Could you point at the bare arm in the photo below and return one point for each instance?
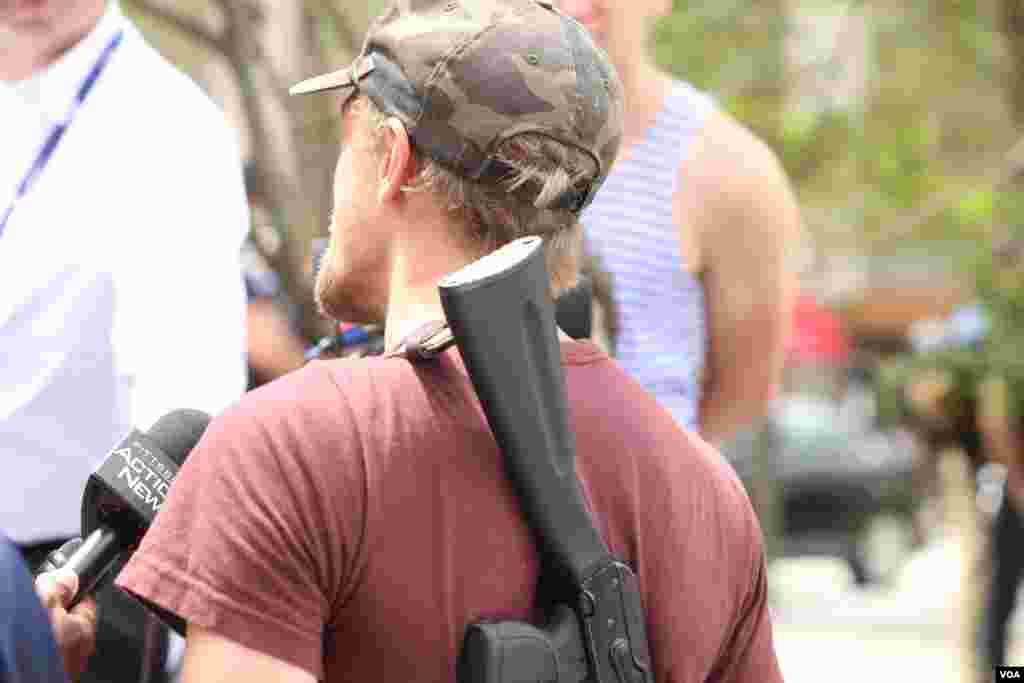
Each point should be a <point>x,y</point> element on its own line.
<point>210,658</point>
<point>741,208</point>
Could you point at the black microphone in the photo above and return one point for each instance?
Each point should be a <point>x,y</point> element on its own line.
<point>123,495</point>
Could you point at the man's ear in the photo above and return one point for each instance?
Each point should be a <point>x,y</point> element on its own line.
<point>398,163</point>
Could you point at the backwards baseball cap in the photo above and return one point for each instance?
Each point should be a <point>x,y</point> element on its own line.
<point>466,75</point>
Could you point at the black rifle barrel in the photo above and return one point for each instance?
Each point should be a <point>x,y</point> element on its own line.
<point>502,316</point>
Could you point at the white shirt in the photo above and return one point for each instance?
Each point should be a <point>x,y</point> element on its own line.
<point>121,295</point>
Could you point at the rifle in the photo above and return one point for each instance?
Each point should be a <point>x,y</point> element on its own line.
<point>501,314</point>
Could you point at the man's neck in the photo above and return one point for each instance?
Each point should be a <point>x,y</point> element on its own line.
<point>427,255</point>
<point>28,49</point>
<point>418,306</point>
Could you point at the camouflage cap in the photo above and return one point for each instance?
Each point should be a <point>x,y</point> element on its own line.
<point>465,75</point>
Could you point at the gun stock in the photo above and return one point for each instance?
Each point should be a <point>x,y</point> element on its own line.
<point>502,316</point>
<point>503,319</point>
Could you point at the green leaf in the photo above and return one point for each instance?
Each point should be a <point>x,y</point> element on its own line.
<point>977,206</point>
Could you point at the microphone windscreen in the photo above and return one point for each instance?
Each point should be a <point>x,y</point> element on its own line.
<point>177,433</point>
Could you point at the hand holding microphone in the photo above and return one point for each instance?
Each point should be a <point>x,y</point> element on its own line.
<point>74,629</point>
<point>123,495</point>
<point>121,499</point>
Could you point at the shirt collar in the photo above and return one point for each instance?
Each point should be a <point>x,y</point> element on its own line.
<point>52,90</point>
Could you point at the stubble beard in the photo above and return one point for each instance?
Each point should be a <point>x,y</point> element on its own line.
<point>344,296</point>
<point>324,292</point>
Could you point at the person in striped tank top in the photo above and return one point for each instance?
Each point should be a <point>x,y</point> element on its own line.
<point>693,223</point>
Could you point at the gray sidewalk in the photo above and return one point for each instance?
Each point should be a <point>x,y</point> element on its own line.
<point>827,629</point>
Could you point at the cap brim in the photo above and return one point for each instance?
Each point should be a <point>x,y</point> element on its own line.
<point>332,81</point>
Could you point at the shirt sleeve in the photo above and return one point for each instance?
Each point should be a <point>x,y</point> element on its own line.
<point>257,539</point>
<point>28,653</point>
<point>750,655</point>
<point>179,328</point>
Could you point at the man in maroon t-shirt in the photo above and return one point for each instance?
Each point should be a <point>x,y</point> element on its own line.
<point>348,521</point>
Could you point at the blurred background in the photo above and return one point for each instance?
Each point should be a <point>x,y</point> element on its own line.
<point>901,126</point>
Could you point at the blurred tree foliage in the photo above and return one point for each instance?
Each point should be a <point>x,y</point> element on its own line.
<point>914,158</point>
<point>997,274</point>
<point>927,160</point>
<point>922,156</point>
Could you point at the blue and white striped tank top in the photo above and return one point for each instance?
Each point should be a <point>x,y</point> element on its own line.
<point>629,226</point>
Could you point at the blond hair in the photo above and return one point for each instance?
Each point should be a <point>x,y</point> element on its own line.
<point>494,214</point>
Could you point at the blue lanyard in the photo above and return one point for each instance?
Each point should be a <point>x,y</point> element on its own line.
<point>54,138</point>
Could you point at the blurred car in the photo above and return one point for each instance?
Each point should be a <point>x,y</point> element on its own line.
<point>834,473</point>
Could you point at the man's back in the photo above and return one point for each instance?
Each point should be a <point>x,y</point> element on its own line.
<point>362,528</point>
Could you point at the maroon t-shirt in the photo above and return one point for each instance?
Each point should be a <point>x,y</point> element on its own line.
<point>353,517</point>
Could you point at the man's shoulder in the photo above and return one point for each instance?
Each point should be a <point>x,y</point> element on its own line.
<point>330,417</point>
<point>631,449</point>
<point>311,387</point>
<point>727,151</point>
<point>635,438</point>
<point>735,177</point>
<point>291,425</point>
<point>338,390</point>
<point>643,427</point>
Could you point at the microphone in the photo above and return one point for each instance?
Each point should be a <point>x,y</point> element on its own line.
<point>123,495</point>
